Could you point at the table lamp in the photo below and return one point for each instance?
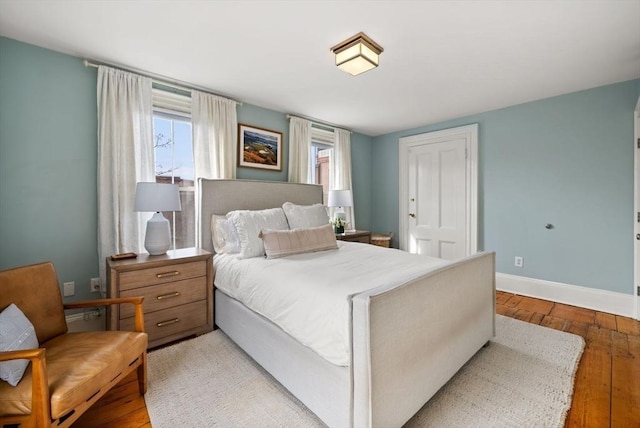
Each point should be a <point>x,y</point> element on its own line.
<point>157,197</point>
<point>340,199</point>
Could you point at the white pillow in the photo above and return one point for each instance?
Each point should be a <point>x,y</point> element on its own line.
<point>224,235</point>
<point>249,224</point>
<point>305,216</point>
<point>281,243</point>
<point>16,333</point>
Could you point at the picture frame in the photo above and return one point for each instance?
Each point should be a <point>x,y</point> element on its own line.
<point>259,148</point>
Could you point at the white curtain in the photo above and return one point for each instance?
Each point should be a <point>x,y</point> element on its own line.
<point>215,135</point>
<point>340,170</point>
<point>125,157</point>
<point>300,151</point>
<point>215,129</point>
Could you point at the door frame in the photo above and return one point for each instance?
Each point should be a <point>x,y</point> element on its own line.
<point>470,134</point>
<point>636,211</point>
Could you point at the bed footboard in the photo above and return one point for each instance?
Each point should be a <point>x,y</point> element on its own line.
<point>409,340</point>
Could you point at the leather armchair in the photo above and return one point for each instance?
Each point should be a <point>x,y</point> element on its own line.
<point>69,372</point>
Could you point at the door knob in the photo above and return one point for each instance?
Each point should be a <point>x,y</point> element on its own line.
<point>413,215</point>
<point>638,236</point>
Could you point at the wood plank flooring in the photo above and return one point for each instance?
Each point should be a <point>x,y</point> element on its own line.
<point>607,387</point>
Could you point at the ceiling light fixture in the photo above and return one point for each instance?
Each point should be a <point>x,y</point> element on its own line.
<point>357,54</point>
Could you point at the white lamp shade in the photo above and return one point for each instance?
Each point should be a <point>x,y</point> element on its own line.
<point>340,198</point>
<point>157,197</point>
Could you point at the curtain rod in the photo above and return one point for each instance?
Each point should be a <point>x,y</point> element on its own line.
<point>315,122</point>
<point>156,78</point>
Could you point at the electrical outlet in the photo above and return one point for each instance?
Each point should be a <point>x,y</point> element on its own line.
<point>95,285</point>
<point>69,289</point>
<point>519,262</point>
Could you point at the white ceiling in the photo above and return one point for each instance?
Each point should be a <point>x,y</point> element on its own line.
<point>441,60</point>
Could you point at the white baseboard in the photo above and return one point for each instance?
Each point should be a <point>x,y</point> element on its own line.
<point>93,320</point>
<point>574,295</point>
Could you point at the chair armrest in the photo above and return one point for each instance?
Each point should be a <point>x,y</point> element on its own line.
<point>23,354</point>
<point>41,406</point>
<point>137,301</point>
<point>103,302</point>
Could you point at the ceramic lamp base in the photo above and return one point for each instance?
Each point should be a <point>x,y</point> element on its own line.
<point>157,239</point>
<point>340,214</point>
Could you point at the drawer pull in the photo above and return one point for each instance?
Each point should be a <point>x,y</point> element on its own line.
<point>168,295</point>
<point>162,275</point>
<point>168,322</point>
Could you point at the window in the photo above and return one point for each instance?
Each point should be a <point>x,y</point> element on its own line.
<point>321,154</point>
<point>174,160</point>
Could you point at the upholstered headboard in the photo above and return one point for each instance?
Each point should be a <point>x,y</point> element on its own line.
<point>221,196</point>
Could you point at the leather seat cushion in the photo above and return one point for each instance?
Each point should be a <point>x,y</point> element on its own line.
<point>78,366</point>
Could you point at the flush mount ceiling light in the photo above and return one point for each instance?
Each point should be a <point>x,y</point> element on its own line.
<point>357,54</point>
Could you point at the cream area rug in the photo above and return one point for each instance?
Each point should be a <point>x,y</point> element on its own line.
<point>524,378</point>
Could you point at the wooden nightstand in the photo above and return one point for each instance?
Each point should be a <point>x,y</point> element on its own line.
<point>357,236</point>
<point>178,293</point>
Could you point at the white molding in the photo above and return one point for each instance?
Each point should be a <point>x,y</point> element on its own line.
<point>470,134</point>
<point>574,295</point>
<point>78,316</point>
<point>90,320</point>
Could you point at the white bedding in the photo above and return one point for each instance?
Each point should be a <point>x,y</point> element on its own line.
<point>308,295</point>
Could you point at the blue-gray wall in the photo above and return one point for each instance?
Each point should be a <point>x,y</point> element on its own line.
<point>566,160</point>
<point>48,161</point>
<point>48,152</point>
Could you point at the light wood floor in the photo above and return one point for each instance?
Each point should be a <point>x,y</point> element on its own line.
<point>607,388</point>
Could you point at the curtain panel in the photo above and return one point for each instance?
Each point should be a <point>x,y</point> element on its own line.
<point>215,134</point>
<point>300,150</point>
<point>125,157</point>
<point>340,171</point>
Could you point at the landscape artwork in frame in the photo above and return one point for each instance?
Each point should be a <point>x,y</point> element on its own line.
<point>259,148</point>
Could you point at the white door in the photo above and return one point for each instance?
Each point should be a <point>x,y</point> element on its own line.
<point>437,202</point>
<point>437,197</point>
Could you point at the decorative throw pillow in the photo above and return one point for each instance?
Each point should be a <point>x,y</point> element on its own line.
<point>16,333</point>
<point>280,243</point>
<point>248,225</point>
<point>229,236</point>
<point>224,235</point>
<point>303,216</point>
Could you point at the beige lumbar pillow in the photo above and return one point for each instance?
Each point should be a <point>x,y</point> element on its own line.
<point>280,243</point>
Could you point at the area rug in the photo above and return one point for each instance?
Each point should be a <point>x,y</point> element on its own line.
<point>524,378</point>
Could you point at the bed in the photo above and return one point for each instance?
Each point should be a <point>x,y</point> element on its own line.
<point>405,340</point>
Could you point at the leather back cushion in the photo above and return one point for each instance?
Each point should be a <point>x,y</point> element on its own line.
<point>35,290</point>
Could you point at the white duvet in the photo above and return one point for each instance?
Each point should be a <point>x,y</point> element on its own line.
<point>308,295</point>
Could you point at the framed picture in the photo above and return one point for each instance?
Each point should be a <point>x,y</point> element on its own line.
<point>259,148</point>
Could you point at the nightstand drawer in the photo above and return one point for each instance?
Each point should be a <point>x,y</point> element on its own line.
<point>161,275</point>
<point>363,239</point>
<point>171,321</point>
<point>158,297</point>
